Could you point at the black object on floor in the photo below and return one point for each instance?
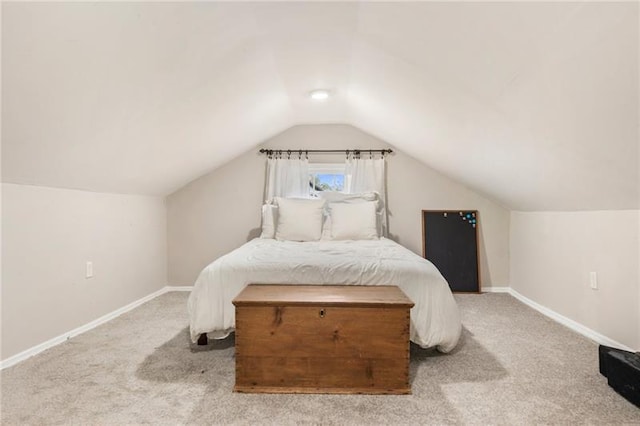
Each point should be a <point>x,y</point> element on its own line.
<point>203,340</point>
<point>622,369</point>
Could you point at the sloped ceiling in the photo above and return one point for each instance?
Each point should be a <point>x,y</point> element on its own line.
<point>534,104</point>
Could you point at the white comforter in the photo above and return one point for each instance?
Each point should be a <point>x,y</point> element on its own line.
<point>435,319</point>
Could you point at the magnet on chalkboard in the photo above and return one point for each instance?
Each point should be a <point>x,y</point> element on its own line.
<point>474,225</point>
<point>460,213</point>
<point>444,214</point>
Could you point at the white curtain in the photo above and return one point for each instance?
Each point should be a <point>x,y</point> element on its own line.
<point>287,178</point>
<point>368,175</point>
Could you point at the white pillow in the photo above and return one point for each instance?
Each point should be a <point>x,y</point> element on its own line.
<point>354,221</point>
<point>299,219</point>
<point>269,215</point>
<point>341,197</point>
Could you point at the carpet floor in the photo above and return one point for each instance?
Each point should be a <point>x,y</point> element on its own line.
<point>512,366</point>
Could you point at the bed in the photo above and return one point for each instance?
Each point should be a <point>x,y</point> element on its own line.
<point>435,318</point>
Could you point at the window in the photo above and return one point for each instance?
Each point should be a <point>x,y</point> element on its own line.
<point>326,177</point>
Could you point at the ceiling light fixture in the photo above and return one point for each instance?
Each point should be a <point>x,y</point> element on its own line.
<point>319,95</point>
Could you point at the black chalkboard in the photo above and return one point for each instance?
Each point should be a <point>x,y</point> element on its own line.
<point>450,241</point>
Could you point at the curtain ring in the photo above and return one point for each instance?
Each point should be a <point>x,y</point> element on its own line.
<point>370,155</point>
<point>288,154</point>
<point>306,154</point>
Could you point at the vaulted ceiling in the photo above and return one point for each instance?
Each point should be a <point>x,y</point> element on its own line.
<point>534,104</point>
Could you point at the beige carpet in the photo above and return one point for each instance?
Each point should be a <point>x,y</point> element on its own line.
<point>513,366</point>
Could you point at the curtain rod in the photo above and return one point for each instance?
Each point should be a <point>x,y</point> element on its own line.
<point>325,151</point>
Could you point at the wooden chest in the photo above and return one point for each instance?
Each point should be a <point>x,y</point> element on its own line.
<point>322,339</point>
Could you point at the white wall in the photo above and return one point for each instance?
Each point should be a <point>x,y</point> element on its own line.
<point>221,210</point>
<point>552,254</point>
<point>47,236</point>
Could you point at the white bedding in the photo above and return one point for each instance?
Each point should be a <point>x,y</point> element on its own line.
<point>435,319</point>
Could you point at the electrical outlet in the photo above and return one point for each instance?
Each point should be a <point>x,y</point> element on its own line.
<point>593,280</point>
<point>89,270</point>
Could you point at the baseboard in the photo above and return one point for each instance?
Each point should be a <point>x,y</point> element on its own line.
<point>178,288</point>
<point>568,322</point>
<point>19,357</point>
<point>496,289</point>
